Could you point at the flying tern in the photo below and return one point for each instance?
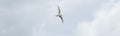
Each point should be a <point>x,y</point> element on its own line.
<point>59,15</point>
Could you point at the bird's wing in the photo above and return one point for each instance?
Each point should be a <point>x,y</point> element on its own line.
<point>59,11</point>
<point>61,19</point>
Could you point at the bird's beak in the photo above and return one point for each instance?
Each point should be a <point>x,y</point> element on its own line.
<point>56,15</point>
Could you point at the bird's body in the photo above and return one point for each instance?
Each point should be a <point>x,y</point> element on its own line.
<point>60,18</point>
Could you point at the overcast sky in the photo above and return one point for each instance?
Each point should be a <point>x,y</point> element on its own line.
<point>38,18</point>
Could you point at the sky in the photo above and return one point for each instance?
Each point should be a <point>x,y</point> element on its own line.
<point>38,18</point>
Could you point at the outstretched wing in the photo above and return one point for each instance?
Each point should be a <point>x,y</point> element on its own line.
<point>59,11</point>
<point>61,19</point>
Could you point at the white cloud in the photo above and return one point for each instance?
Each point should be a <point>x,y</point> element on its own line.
<point>105,22</point>
<point>83,29</point>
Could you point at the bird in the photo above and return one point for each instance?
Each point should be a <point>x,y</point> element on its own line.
<point>59,15</point>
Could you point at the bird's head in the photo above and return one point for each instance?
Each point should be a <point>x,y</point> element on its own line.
<point>57,15</point>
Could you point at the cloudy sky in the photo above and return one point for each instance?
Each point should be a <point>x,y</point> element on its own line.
<point>38,18</point>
